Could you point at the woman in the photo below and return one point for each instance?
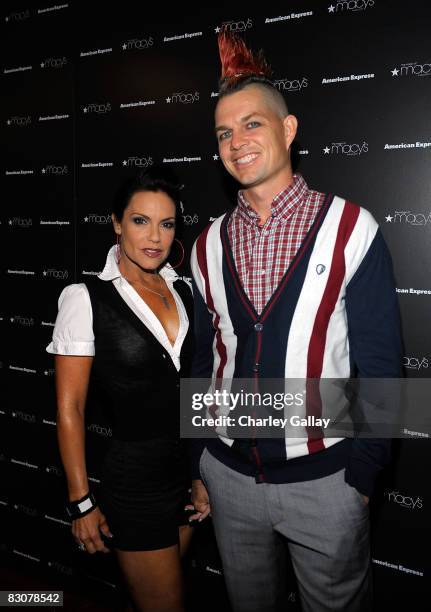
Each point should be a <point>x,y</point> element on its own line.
<point>129,328</point>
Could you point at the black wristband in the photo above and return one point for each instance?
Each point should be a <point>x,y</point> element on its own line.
<point>81,507</point>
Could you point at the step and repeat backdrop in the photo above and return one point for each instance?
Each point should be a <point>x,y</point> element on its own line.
<point>89,97</point>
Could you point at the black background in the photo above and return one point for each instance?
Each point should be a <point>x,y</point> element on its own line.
<point>357,37</point>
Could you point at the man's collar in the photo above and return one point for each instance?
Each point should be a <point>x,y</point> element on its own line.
<point>284,203</point>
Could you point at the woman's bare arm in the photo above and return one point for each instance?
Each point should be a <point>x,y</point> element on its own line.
<point>72,375</point>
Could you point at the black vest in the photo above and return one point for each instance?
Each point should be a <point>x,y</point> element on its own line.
<point>134,375</point>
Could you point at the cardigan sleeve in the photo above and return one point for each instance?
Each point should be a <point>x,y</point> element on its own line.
<point>203,358</point>
<point>376,349</point>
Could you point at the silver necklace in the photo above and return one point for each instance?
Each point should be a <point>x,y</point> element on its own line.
<point>161,295</point>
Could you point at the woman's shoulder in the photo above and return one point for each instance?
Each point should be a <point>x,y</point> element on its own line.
<point>171,276</point>
<point>185,281</point>
<point>183,287</point>
<point>75,292</point>
<point>73,332</point>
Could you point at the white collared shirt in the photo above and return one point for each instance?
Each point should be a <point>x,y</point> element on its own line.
<point>73,331</point>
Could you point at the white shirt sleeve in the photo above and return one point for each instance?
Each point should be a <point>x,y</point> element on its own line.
<point>73,330</point>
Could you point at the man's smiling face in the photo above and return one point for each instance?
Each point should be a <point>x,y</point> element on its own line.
<point>252,136</point>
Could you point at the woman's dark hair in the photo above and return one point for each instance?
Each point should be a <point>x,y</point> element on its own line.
<point>156,178</point>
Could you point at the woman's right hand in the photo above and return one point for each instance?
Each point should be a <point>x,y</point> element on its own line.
<point>86,530</point>
<point>200,501</point>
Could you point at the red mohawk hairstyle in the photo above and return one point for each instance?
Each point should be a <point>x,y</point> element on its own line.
<point>239,66</point>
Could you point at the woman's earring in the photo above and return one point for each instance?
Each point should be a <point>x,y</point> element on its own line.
<point>118,249</point>
<point>182,254</point>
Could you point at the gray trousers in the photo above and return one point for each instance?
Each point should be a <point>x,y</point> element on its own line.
<point>325,523</point>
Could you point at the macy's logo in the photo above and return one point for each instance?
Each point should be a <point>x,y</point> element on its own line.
<point>343,148</point>
<point>350,5</point>
<point>404,501</point>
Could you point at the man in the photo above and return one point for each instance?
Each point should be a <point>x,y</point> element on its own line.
<point>291,284</point>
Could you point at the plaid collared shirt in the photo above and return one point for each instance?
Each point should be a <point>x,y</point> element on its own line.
<point>263,254</point>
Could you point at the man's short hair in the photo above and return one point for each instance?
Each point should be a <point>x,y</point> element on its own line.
<point>272,94</point>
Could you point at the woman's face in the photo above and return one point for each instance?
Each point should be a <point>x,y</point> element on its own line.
<point>146,230</point>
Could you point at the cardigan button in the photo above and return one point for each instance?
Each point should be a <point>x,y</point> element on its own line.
<point>258,327</point>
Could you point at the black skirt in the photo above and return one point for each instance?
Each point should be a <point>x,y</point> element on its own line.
<point>143,492</point>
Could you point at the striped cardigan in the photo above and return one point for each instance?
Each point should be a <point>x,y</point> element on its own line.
<point>333,315</point>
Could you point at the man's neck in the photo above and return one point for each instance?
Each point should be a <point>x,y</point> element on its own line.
<point>260,197</point>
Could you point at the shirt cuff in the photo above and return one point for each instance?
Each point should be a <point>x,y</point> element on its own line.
<point>83,349</point>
